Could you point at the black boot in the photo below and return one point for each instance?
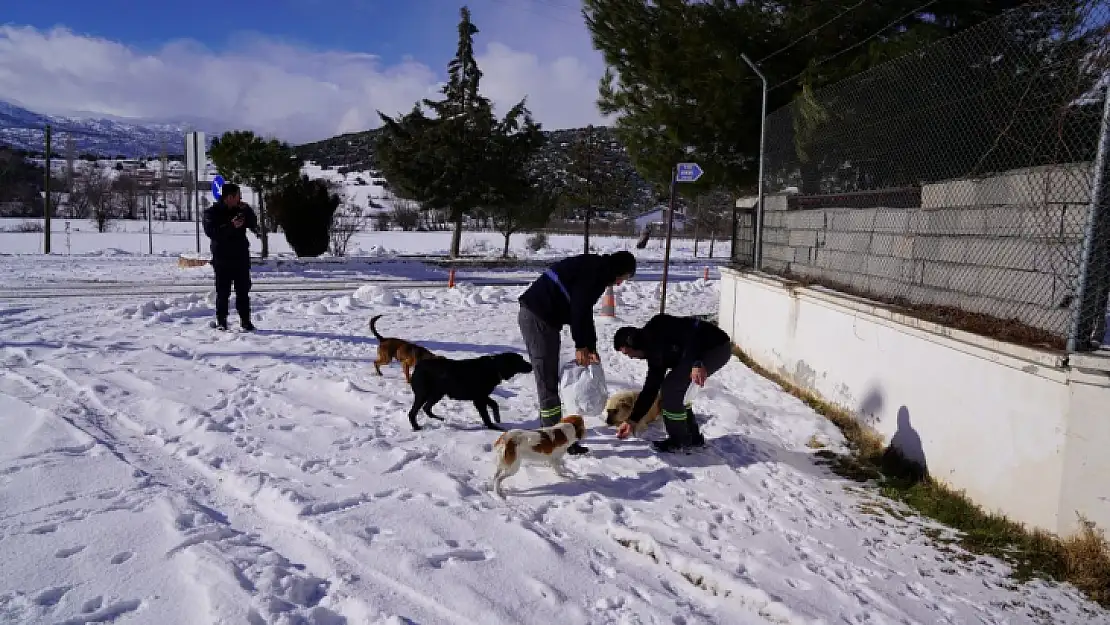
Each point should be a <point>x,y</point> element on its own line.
<point>696,439</point>
<point>221,325</point>
<point>678,433</point>
<point>246,325</point>
<point>576,449</point>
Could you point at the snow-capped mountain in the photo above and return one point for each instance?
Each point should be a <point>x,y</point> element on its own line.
<point>102,136</point>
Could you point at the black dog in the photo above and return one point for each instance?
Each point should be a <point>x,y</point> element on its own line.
<point>472,379</point>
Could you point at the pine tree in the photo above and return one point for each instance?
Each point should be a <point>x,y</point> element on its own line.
<point>305,209</point>
<point>681,91</point>
<point>595,182</point>
<point>264,166</point>
<point>455,161</point>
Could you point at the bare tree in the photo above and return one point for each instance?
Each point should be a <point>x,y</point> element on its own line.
<point>92,198</point>
<point>406,214</point>
<point>348,221</point>
<point>127,192</point>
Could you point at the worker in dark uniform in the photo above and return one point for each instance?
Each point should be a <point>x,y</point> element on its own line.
<point>565,295</point>
<point>678,351</point>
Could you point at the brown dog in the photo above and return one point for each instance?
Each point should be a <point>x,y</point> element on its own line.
<point>390,348</point>
<point>619,408</point>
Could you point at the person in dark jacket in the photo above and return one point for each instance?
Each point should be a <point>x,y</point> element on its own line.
<point>226,223</point>
<point>565,295</point>
<point>678,351</point>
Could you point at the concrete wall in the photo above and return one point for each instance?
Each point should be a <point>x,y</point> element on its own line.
<point>1021,431</point>
<point>1008,246</point>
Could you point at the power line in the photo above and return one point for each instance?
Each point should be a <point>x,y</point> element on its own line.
<point>856,45</point>
<point>812,32</point>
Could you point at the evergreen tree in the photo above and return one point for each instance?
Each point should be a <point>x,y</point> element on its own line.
<point>681,90</point>
<point>245,158</point>
<point>595,182</point>
<point>305,208</point>
<point>455,161</point>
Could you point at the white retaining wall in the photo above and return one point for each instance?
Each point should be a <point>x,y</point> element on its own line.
<point>1022,431</point>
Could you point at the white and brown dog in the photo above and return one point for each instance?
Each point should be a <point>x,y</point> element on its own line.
<point>619,408</point>
<point>543,445</point>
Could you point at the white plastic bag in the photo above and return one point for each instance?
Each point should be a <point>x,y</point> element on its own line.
<point>583,390</point>
<point>692,393</point>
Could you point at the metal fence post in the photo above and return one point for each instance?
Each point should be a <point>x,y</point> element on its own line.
<point>1094,281</point>
<point>757,236</point>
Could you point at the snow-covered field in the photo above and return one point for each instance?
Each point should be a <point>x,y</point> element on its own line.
<point>154,471</point>
<point>128,237</point>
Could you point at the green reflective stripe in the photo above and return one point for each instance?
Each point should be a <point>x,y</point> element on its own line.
<point>674,416</point>
<point>551,411</point>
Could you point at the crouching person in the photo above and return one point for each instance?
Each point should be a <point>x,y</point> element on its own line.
<point>678,351</point>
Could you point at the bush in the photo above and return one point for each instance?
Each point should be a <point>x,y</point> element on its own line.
<point>406,217</point>
<point>305,210</point>
<point>537,242</point>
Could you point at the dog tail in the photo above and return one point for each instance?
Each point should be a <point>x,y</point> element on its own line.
<point>507,446</point>
<point>374,330</point>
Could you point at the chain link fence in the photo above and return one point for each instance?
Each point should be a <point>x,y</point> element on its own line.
<point>963,182</point>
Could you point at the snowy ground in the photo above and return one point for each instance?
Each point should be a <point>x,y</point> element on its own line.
<point>153,471</point>
<point>130,238</point>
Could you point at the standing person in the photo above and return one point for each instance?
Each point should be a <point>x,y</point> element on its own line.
<point>226,223</point>
<point>691,350</point>
<point>565,295</point>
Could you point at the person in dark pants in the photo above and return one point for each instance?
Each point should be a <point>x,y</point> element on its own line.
<point>226,223</point>
<point>678,350</point>
<point>565,295</point>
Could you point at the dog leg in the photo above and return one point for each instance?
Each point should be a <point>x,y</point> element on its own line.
<point>416,404</point>
<point>560,469</point>
<point>405,368</point>
<point>428,403</point>
<point>495,410</point>
<point>480,404</point>
<point>503,472</point>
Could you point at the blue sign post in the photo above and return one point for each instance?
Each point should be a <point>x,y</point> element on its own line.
<point>682,172</point>
<point>217,187</point>
<point>688,172</point>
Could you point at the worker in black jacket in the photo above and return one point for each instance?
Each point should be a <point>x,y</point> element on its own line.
<point>565,295</point>
<point>226,223</point>
<point>678,351</point>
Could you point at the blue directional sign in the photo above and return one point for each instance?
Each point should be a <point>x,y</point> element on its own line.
<point>688,172</point>
<point>217,186</point>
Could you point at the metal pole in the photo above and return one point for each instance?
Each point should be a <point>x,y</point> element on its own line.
<point>149,230</point>
<point>193,192</point>
<point>757,252</point>
<point>1090,291</point>
<point>667,251</point>
<point>46,203</point>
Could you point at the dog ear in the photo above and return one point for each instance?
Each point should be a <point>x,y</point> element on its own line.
<point>579,425</point>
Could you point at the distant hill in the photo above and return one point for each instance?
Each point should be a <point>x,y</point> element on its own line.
<point>105,137</point>
<point>355,152</point>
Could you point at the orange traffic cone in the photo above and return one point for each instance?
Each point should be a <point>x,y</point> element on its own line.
<point>609,303</point>
<point>451,278</point>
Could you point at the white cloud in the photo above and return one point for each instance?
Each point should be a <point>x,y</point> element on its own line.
<point>276,88</point>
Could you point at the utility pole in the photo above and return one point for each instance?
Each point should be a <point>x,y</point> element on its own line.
<point>46,203</point>
<point>589,185</point>
<point>162,180</point>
